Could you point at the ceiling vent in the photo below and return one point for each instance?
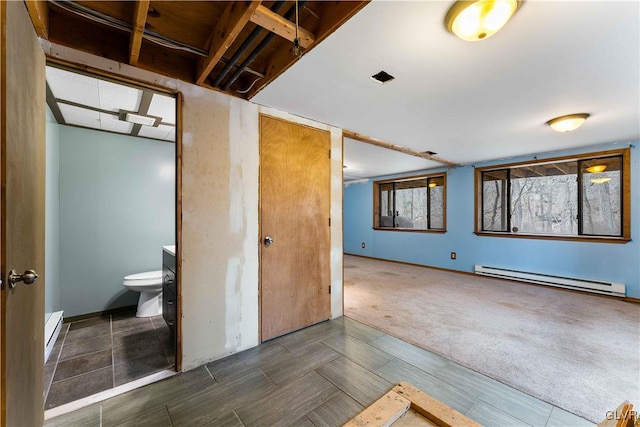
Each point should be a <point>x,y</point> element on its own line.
<point>382,77</point>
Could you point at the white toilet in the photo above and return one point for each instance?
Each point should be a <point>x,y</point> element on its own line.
<point>149,284</point>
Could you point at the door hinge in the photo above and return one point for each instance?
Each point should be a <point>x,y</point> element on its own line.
<point>329,221</point>
<point>329,288</point>
<point>329,153</point>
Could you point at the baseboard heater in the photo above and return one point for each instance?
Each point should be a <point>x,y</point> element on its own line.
<point>586,285</point>
<point>51,331</point>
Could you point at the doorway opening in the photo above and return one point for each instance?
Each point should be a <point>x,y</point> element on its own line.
<point>111,234</point>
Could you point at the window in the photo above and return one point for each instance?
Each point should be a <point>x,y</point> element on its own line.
<point>410,204</point>
<point>585,197</point>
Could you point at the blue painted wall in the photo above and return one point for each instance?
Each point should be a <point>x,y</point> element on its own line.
<point>604,261</point>
<point>117,210</point>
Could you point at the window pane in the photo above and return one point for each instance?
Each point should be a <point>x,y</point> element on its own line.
<point>602,197</point>
<point>411,204</point>
<point>544,199</point>
<point>386,206</point>
<point>436,203</point>
<point>494,215</point>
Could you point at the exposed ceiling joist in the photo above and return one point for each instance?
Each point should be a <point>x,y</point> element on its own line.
<point>401,149</point>
<point>194,41</point>
<point>278,24</point>
<point>39,13</point>
<point>236,15</point>
<point>139,21</point>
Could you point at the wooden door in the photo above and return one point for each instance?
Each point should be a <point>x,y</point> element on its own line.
<point>22,142</point>
<point>294,211</point>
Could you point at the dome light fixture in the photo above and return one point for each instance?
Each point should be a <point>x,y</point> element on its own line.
<point>479,19</point>
<point>568,123</point>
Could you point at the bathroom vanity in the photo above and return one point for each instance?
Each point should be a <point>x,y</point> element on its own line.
<point>169,286</point>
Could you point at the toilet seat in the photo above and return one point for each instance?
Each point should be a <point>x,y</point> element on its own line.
<point>148,278</point>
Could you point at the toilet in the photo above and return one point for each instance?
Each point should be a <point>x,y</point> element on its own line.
<point>149,284</point>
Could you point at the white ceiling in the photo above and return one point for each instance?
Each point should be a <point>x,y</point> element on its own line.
<point>470,102</point>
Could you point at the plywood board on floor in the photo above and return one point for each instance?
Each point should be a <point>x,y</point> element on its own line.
<point>406,405</point>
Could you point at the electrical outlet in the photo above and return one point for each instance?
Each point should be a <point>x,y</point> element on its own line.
<point>363,245</point>
<point>453,255</point>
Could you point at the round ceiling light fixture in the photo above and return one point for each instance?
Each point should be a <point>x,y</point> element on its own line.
<point>568,123</point>
<point>480,19</point>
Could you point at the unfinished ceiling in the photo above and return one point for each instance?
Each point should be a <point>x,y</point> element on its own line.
<point>236,47</point>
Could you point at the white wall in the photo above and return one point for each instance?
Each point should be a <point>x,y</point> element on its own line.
<point>219,250</point>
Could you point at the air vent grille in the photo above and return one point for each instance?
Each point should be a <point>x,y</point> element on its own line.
<point>382,77</point>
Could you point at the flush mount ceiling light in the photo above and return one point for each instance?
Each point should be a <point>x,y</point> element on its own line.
<point>568,123</point>
<point>139,119</point>
<point>480,19</point>
<point>596,168</point>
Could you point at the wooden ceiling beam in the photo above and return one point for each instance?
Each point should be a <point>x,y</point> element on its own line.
<point>235,16</point>
<point>139,22</point>
<point>39,13</point>
<point>394,147</point>
<point>278,24</point>
<point>334,14</point>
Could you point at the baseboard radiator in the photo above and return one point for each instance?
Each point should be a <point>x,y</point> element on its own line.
<point>51,331</point>
<point>586,285</point>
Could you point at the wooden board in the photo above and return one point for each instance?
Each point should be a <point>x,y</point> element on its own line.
<point>383,412</point>
<point>22,142</point>
<point>418,409</point>
<point>294,210</point>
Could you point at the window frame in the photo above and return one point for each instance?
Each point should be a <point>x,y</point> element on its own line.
<point>376,203</point>
<point>625,194</point>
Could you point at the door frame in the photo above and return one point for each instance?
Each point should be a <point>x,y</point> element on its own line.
<point>84,69</point>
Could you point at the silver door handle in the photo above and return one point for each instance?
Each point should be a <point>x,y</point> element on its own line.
<point>268,241</point>
<point>28,277</point>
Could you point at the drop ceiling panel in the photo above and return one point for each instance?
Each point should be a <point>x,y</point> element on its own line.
<point>80,116</point>
<point>114,97</point>
<point>161,132</point>
<point>163,106</point>
<point>73,87</point>
<point>113,124</point>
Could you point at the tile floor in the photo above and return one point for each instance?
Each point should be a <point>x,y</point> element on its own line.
<point>319,376</point>
<point>100,353</point>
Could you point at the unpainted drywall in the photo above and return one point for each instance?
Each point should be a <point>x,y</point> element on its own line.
<point>220,156</point>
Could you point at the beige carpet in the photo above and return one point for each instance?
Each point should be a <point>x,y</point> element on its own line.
<point>576,351</point>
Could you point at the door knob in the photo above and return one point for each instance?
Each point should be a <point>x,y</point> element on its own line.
<point>268,241</point>
<point>28,277</point>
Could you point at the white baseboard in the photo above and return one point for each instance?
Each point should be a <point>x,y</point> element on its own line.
<point>51,332</point>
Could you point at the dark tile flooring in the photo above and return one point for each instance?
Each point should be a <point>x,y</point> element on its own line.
<point>100,353</point>
<point>320,376</point>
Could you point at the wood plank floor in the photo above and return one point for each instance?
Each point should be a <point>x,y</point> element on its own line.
<point>320,376</point>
